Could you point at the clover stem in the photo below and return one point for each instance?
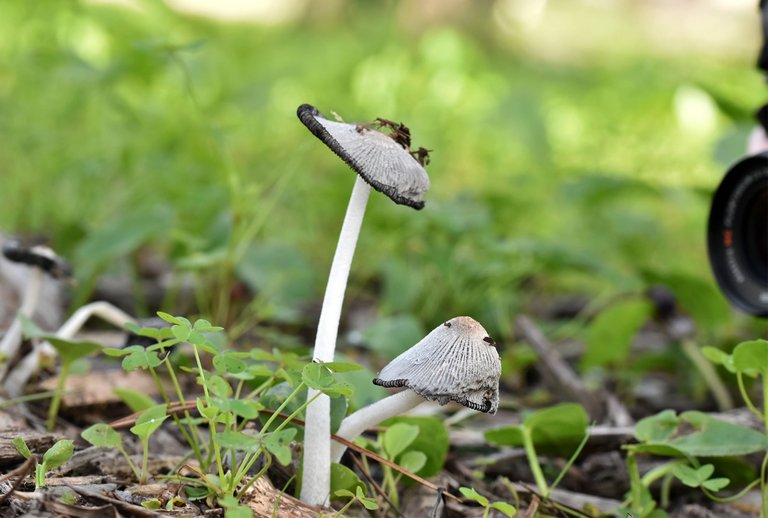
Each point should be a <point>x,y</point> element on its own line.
<point>371,415</point>
<point>747,399</point>
<point>533,462</point>
<point>316,477</point>
<point>53,410</point>
<point>191,434</point>
<point>635,484</point>
<point>133,467</point>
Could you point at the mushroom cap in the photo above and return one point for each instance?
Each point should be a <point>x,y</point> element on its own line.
<point>38,256</point>
<point>381,161</point>
<point>457,361</point>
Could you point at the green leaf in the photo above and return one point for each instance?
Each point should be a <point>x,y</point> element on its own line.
<point>203,326</point>
<point>224,362</point>
<point>149,421</point>
<point>342,366</point>
<point>238,441</point>
<point>233,508</point>
<point>657,427</point>
<point>71,350</point>
<point>398,437</point>
<point>716,484</point>
<point>432,441</point>
<point>152,504</point>
<point>218,385</point>
<point>247,409</point>
<point>278,444</point>
<point>391,336</point>
<point>21,447</point>
<point>169,318</point>
<point>114,352</point>
<point>344,493</point>
<point>339,405</point>
<point>719,357</point>
<point>700,298</point>
<point>611,333</point>
<point>181,332</point>
<point>559,428</point>
<point>343,479</point>
<point>121,236</point>
<point>135,400</point>
<point>368,503</point>
<point>751,358</point>
<point>28,327</point>
<point>317,376</point>
<point>690,476</point>
<point>470,493</point>
<point>207,411</point>
<point>412,461</point>
<point>504,508</point>
<point>58,454</point>
<point>698,435</point>
<point>102,435</point>
<point>139,358</point>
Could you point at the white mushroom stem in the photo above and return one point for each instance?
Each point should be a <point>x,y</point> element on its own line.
<point>30,364</point>
<point>355,424</point>
<point>316,477</point>
<point>12,339</point>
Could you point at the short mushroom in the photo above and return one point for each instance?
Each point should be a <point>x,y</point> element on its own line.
<point>457,361</point>
<point>385,163</point>
<point>41,260</point>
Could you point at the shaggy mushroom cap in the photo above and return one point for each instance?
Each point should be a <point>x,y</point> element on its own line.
<point>457,361</point>
<point>39,257</point>
<point>378,158</point>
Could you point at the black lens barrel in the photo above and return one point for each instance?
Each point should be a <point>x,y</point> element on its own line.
<point>737,234</point>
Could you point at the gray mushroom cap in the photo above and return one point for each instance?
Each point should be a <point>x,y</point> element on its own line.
<point>457,361</point>
<point>39,257</point>
<point>380,160</point>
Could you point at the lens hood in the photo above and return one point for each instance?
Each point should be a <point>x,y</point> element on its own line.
<point>737,234</point>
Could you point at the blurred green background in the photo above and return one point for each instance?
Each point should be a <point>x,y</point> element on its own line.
<point>576,145</point>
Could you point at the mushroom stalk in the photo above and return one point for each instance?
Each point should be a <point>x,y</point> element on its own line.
<point>316,477</point>
<point>12,339</point>
<point>358,422</point>
<point>30,364</point>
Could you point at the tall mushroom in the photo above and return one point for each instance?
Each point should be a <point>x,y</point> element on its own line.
<point>457,361</point>
<point>385,163</point>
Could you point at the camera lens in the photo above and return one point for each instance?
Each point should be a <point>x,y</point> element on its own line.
<point>738,234</point>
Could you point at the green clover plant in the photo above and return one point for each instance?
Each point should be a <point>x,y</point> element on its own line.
<point>238,390</point>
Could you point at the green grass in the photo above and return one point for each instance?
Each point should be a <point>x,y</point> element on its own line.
<point>130,128</point>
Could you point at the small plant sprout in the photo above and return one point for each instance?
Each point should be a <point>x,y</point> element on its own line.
<point>457,361</point>
<point>56,456</point>
<point>383,162</point>
<point>503,507</point>
<point>41,260</point>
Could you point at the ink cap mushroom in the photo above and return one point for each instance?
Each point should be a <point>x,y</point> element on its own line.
<point>382,162</point>
<point>457,361</point>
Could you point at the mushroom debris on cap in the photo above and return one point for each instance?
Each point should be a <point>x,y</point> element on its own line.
<point>457,361</point>
<point>382,160</point>
<point>38,256</point>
